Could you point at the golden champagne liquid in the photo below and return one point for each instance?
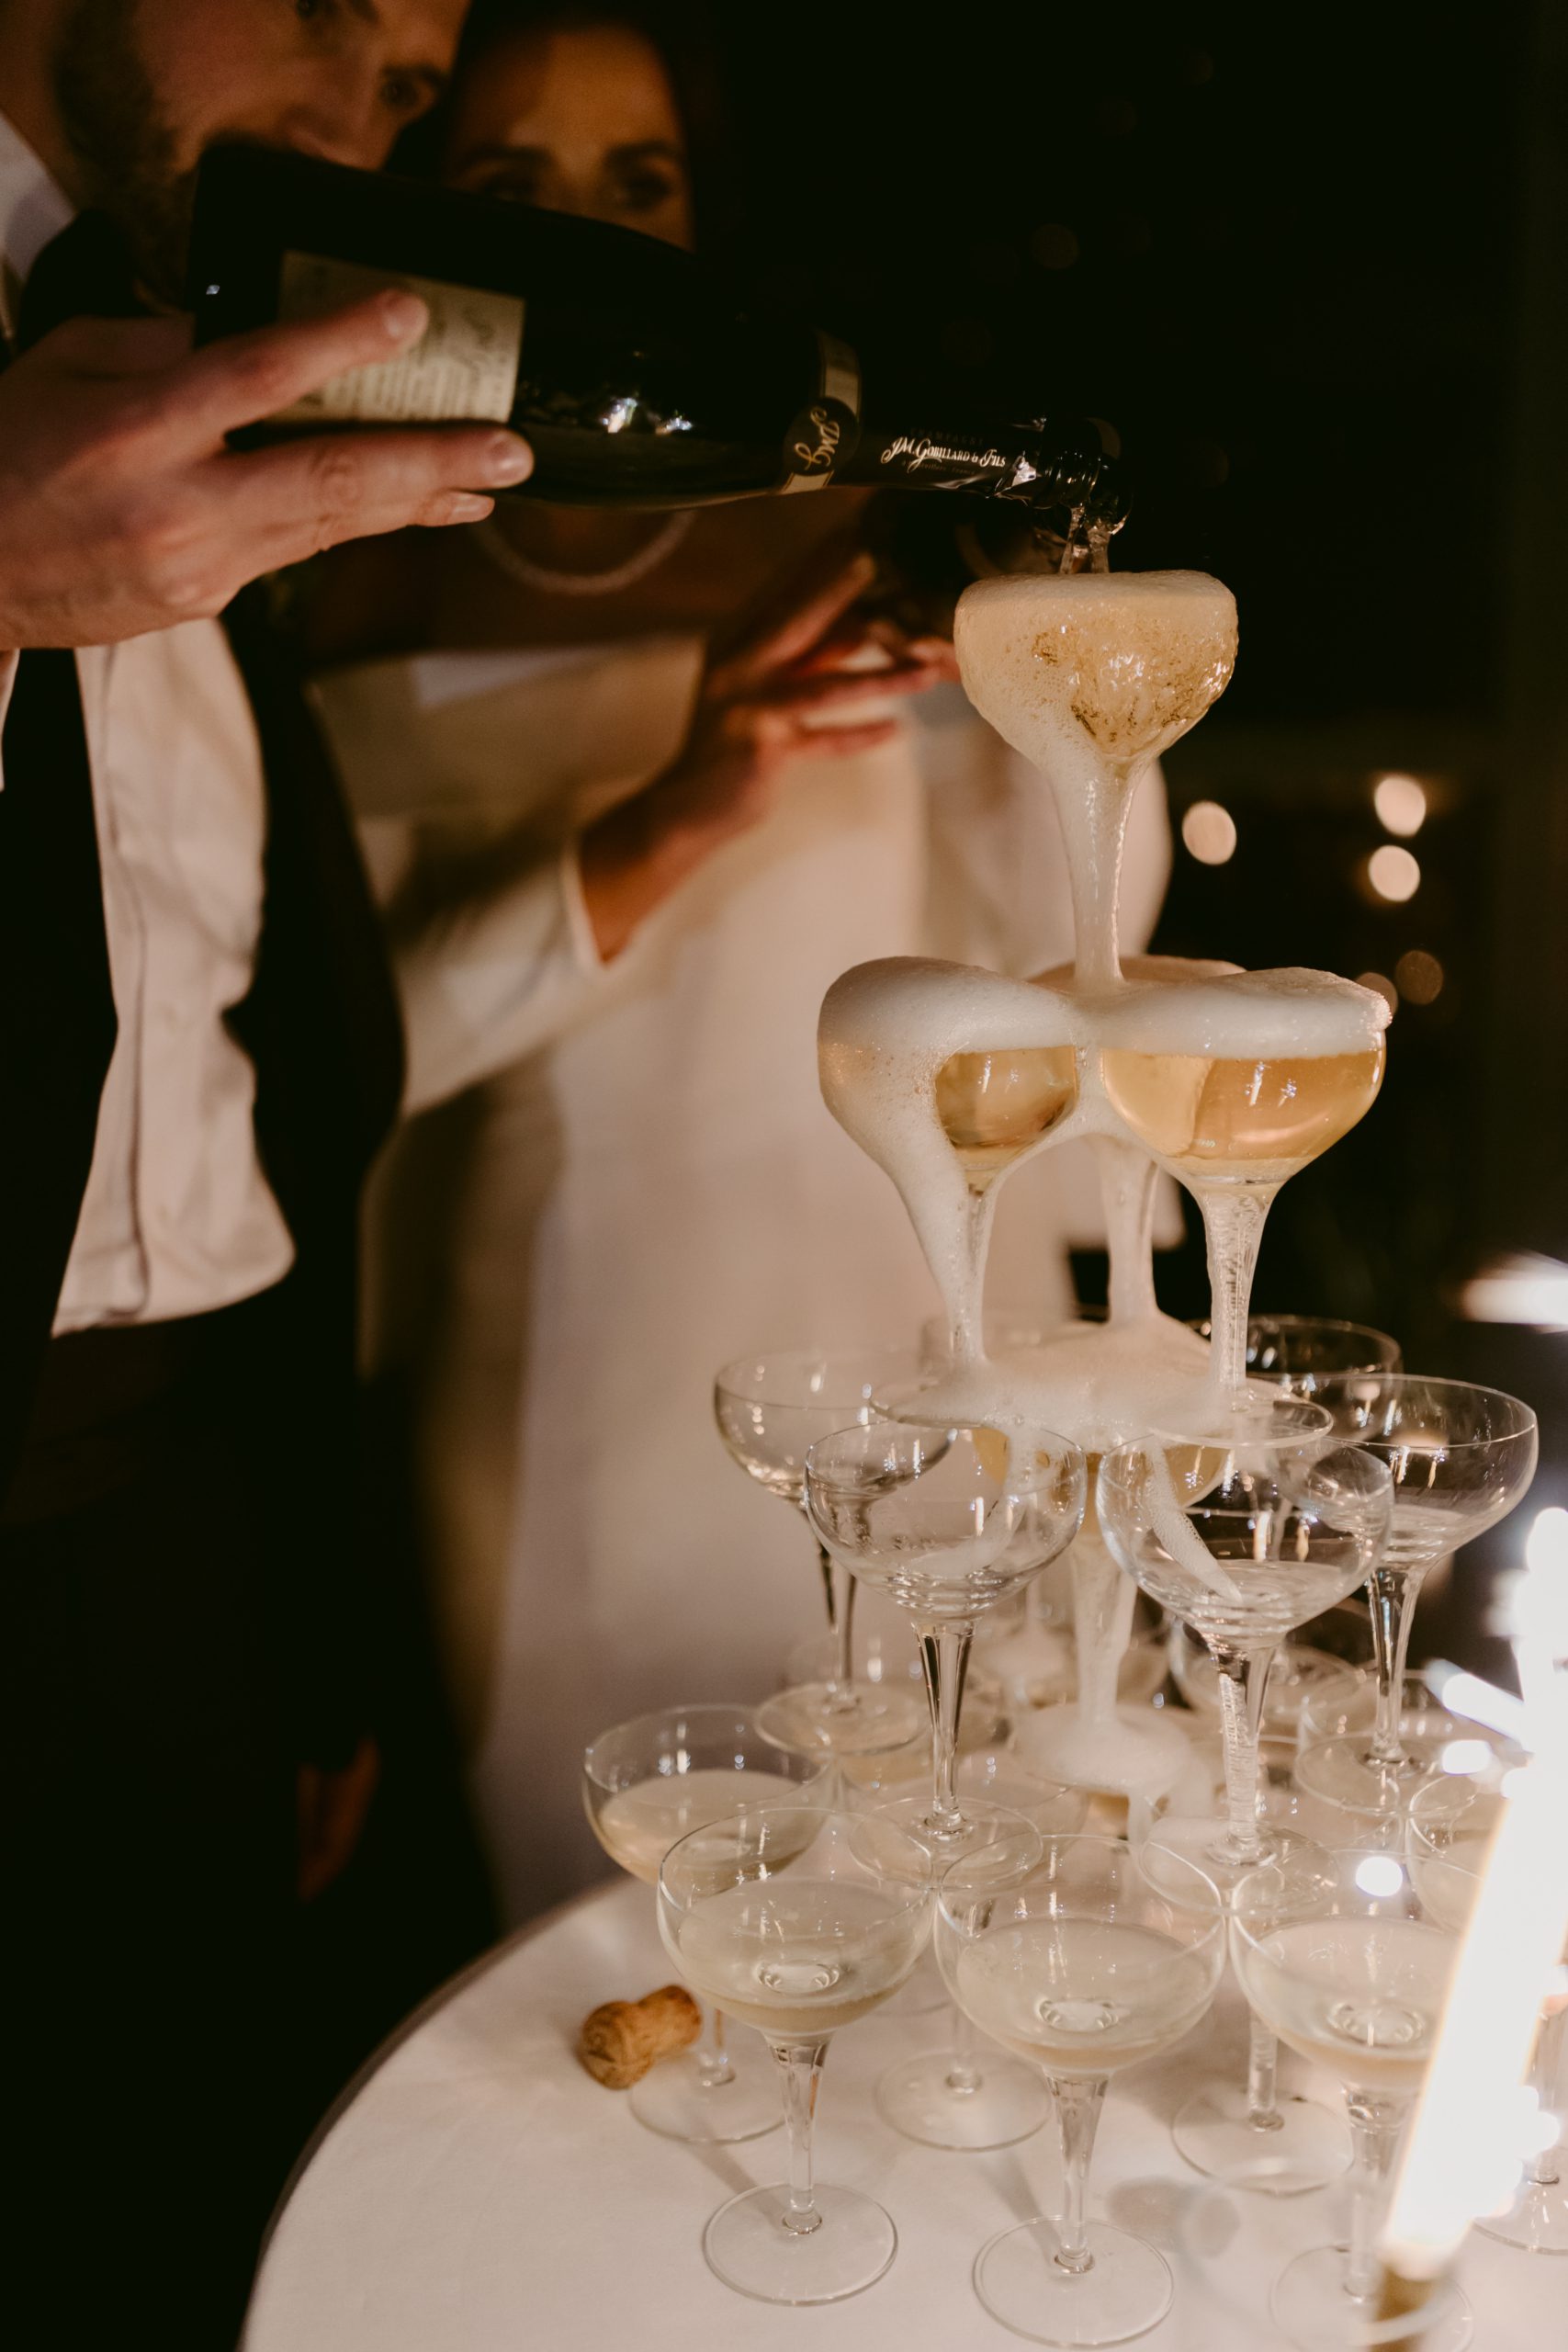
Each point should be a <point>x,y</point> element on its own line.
<point>1241,1121</point>
<point>994,1106</point>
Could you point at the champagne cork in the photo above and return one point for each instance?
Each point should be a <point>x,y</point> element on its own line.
<point>620,2041</point>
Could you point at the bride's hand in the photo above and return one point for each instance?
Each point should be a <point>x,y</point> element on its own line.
<point>807,677</point>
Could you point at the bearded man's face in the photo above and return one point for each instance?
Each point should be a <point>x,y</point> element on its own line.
<point>145,86</point>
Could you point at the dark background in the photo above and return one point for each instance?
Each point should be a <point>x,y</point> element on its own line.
<point>1312,262</point>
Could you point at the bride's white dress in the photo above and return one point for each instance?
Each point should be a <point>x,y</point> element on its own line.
<point>628,1177</point>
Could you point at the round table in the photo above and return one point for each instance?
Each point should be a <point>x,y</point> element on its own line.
<point>475,2191</point>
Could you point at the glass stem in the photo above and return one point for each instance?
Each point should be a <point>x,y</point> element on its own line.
<point>968,1306</point>
<point>1546,2169</point>
<point>963,2075</point>
<point>844,1633</point>
<point>1127,1179</point>
<point>1374,2136</point>
<point>944,1655</point>
<point>1262,2079</point>
<point>712,2056</point>
<point>829,1575</point>
<point>1243,1678</point>
<point>1233,1227</point>
<point>1095,875</point>
<point>1392,1594</point>
<point>801,2062</point>
<point>1077,2104</point>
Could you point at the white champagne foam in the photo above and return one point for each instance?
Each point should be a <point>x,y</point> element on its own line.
<point>1244,1016</point>
<point>1091,676</point>
<point>885,1030</point>
<point>1102,1385</point>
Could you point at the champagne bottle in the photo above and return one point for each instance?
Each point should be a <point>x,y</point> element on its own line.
<point>629,366</point>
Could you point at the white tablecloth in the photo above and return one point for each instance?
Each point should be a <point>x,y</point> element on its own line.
<point>479,2193</point>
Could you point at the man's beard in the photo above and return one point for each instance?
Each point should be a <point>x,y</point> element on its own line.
<point>124,145</point>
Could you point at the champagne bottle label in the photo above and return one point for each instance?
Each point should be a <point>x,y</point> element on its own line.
<point>464,365</point>
<point>824,435</point>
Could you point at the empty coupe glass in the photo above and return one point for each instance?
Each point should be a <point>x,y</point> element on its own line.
<point>771,1409</point>
<point>947,1522</point>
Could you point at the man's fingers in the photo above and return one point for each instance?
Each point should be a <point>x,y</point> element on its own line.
<point>314,492</point>
<point>244,378</point>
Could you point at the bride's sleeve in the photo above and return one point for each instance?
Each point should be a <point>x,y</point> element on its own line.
<point>471,776</point>
<point>489,974</point>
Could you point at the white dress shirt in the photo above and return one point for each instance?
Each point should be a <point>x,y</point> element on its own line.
<point>178,1218</point>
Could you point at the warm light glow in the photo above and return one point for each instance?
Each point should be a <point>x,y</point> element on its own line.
<point>1420,975</point>
<point>1465,1755</point>
<point>1381,985</point>
<point>1463,1693</point>
<point>1471,2130</point>
<point>1546,1546</point>
<point>1524,1288</point>
<point>1539,2129</point>
<point>1471,2125</point>
<point>1401,803</point>
<point>1209,832</point>
<point>1380,1874</point>
<point>1394,874</point>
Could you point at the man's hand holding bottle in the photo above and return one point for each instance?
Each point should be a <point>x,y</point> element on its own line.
<point>122,509</point>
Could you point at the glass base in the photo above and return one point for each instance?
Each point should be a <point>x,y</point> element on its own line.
<point>1308,2146</point>
<point>842,1718</point>
<point>1133,1753</point>
<point>976,1827</point>
<point>1288,1871</point>
<point>1312,2310</point>
<point>676,2100</point>
<point>1006,2100</point>
<point>1537,2222</point>
<point>1354,1797</point>
<point>750,2246</point>
<point>1125,2290</point>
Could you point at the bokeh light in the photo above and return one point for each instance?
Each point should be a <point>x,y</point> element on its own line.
<point>1381,985</point>
<point>1401,803</point>
<point>1420,975</point>
<point>1208,831</point>
<point>1394,874</point>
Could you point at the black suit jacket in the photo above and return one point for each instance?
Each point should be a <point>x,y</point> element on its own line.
<point>321,1020</point>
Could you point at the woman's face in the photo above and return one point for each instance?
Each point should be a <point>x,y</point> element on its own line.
<point>578,121</point>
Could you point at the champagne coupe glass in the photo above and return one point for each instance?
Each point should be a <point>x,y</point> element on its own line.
<point>771,1409</point>
<point>1460,1458</point>
<point>1242,1540</point>
<point>646,1784</point>
<point>964,2096</point>
<point>1357,1984</point>
<point>1233,1126</point>
<point>798,1921</point>
<point>947,1522</point>
<point>1084,1968</point>
<point>1300,1351</point>
<point>1450,1827</point>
